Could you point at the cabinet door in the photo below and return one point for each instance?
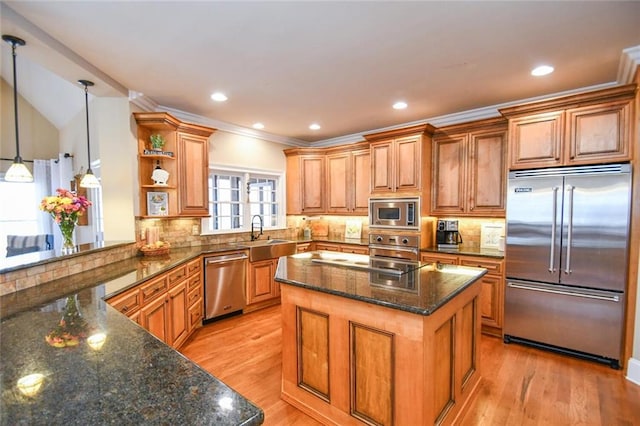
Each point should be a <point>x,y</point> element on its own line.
<point>178,314</point>
<point>448,184</point>
<point>193,167</point>
<point>361,182</point>
<point>338,183</point>
<point>487,174</point>
<point>261,281</point>
<point>313,182</point>
<point>491,296</point>
<point>535,141</point>
<point>598,134</point>
<point>408,168</point>
<point>382,158</point>
<point>154,316</point>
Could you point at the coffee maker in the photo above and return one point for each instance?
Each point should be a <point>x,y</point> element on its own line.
<point>447,235</point>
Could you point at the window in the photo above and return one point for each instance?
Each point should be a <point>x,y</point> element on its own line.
<point>236,196</point>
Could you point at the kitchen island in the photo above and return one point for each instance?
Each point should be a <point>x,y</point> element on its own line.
<point>98,366</point>
<point>361,345</point>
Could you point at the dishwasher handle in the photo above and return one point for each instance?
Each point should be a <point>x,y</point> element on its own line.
<point>224,259</point>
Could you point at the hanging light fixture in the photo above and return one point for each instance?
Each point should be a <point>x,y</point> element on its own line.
<point>18,172</point>
<point>89,180</point>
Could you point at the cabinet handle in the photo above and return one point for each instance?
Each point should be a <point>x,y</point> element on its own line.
<point>125,308</point>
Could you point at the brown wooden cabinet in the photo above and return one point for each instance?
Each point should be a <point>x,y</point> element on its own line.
<point>588,128</point>
<point>169,306</point>
<point>343,248</point>
<point>184,156</point>
<point>492,286</point>
<point>469,169</point>
<point>398,159</point>
<point>261,288</point>
<point>348,179</point>
<point>305,181</point>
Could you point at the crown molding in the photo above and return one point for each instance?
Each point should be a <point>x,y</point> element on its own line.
<point>143,102</point>
<point>232,128</point>
<point>629,61</point>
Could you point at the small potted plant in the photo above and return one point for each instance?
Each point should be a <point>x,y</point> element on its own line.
<point>157,142</point>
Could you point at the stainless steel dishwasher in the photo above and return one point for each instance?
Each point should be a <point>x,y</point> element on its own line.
<point>224,282</point>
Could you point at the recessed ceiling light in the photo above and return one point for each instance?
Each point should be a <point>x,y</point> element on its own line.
<point>219,97</point>
<point>400,105</point>
<point>542,70</point>
<point>258,126</point>
<point>314,126</point>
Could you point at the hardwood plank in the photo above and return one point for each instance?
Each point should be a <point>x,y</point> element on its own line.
<point>520,385</point>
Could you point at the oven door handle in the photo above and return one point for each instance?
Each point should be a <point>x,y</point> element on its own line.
<point>411,250</point>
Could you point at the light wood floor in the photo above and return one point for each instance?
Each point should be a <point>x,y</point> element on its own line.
<point>520,386</point>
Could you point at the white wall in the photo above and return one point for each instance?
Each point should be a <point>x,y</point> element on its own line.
<point>243,151</point>
<point>118,166</point>
<point>38,137</point>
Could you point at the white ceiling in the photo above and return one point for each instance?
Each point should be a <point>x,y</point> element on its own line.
<point>341,64</point>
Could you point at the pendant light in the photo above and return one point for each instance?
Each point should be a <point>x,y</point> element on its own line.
<point>89,180</point>
<point>18,172</point>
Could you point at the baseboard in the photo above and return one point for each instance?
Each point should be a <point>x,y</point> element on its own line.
<point>633,371</point>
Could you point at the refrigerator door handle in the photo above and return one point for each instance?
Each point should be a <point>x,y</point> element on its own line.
<point>552,251</point>
<point>615,299</point>
<point>567,268</point>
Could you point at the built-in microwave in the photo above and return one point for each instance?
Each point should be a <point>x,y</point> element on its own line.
<point>396,213</point>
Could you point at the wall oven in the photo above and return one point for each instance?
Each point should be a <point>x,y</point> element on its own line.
<point>394,213</point>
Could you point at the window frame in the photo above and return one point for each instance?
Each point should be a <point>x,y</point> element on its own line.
<point>247,173</point>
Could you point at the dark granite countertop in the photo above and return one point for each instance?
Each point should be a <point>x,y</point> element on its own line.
<point>420,292</point>
<point>133,378</point>
<point>467,251</point>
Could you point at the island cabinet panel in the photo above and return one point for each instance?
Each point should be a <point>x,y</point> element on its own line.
<point>372,373</point>
<point>313,352</point>
<point>386,366</point>
<point>444,398</point>
<point>587,128</point>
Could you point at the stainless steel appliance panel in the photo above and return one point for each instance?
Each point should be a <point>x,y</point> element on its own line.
<point>581,319</point>
<point>224,284</point>
<point>595,231</point>
<point>534,228</point>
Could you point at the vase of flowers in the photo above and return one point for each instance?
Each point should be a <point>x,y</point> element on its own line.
<point>65,207</point>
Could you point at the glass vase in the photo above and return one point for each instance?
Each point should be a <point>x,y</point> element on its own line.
<point>66,229</point>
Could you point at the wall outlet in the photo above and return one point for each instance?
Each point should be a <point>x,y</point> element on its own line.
<point>195,230</point>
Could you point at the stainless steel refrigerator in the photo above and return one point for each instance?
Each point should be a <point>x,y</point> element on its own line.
<point>566,259</point>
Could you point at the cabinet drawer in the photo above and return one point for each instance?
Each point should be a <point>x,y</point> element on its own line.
<point>195,314</point>
<point>176,275</point>
<point>153,289</point>
<point>355,249</point>
<point>328,247</point>
<point>194,295</point>
<point>194,266</point>
<point>194,282</point>
<point>493,267</point>
<point>127,303</point>
<point>439,258</point>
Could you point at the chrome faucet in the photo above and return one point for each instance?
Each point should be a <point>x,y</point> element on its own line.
<point>255,237</point>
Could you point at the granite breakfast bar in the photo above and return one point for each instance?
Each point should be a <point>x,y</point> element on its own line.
<point>117,373</point>
<point>361,345</point>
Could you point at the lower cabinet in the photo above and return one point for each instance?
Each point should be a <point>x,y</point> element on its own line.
<point>262,289</point>
<point>492,293</point>
<point>169,306</point>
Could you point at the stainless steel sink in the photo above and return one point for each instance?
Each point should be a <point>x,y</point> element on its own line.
<point>268,249</point>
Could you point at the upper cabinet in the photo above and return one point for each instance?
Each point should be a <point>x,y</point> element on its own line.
<point>397,160</point>
<point>348,179</point>
<point>184,156</point>
<point>306,183</point>
<point>589,128</point>
<point>469,169</point>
